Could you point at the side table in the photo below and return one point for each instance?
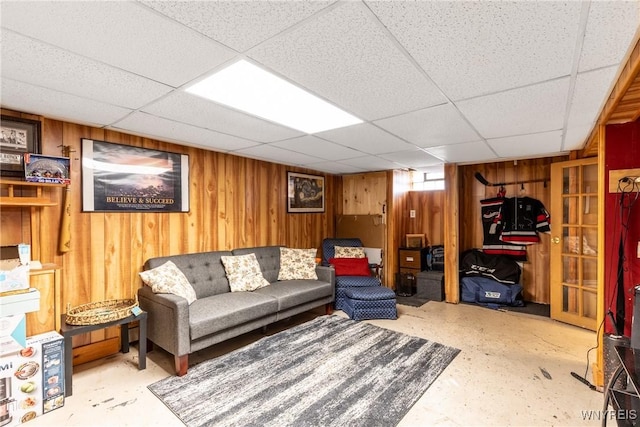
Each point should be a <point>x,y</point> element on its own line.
<point>624,400</point>
<point>69,331</point>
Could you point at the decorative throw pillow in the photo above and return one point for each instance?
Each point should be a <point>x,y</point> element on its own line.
<point>297,264</point>
<point>351,266</point>
<point>169,279</point>
<point>349,252</point>
<point>243,272</point>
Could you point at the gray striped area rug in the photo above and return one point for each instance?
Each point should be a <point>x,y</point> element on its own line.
<point>330,371</point>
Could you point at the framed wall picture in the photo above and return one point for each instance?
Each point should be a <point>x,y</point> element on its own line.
<point>415,241</point>
<point>305,193</point>
<point>17,137</point>
<point>124,178</point>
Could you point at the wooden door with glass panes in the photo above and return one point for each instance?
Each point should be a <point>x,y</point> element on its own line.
<point>574,242</point>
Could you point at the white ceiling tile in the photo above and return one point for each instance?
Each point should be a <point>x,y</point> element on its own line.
<point>412,159</point>
<point>39,64</point>
<point>57,105</point>
<point>465,152</point>
<point>523,146</point>
<point>366,138</point>
<point>157,127</point>
<point>275,154</point>
<point>238,24</point>
<point>371,163</point>
<point>611,27</point>
<point>430,127</point>
<point>199,112</point>
<point>346,57</point>
<point>83,27</point>
<point>472,48</point>
<point>575,138</point>
<point>535,108</point>
<point>590,93</point>
<point>337,168</point>
<point>317,147</point>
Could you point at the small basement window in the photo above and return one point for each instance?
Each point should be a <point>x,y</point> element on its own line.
<point>428,180</point>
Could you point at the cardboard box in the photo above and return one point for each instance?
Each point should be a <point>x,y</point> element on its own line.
<point>19,303</point>
<point>13,275</point>
<point>13,333</point>
<point>34,378</point>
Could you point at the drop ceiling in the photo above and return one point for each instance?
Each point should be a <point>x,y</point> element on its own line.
<point>434,81</point>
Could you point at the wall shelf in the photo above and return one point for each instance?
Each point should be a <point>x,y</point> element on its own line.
<point>11,199</point>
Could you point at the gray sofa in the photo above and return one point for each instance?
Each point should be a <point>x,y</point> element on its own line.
<point>219,314</point>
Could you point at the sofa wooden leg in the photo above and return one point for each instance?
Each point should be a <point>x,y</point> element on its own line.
<point>182,364</point>
<point>329,308</point>
<point>149,345</point>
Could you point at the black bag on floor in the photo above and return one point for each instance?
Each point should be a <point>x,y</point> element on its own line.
<point>497,267</point>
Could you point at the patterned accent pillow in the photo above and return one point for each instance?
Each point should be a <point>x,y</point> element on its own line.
<point>243,272</point>
<point>349,252</point>
<point>169,279</point>
<point>297,264</point>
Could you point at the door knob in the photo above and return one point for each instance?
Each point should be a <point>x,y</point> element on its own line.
<point>556,240</point>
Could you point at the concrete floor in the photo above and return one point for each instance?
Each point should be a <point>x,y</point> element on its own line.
<point>514,369</point>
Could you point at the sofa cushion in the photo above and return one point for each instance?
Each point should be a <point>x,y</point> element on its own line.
<point>349,252</point>
<point>297,264</point>
<point>290,293</point>
<point>351,266</point>
<point>268,257</point>
<point>203,270</point>
<point>217,313</point>
<point>168,279</point>
<point>243,272</point>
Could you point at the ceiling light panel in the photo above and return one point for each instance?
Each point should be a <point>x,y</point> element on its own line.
<point>249,88</point>
<point>200,112</point>
<point>349,58</point>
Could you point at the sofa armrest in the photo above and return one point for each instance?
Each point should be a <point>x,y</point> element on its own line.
<point>327,274</point>
<point>168,324</point>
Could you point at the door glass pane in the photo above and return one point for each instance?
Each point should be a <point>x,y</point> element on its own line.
<point>570,300</point>
<point>589,273</point>
<point>590,241</point>
<point>570,210</point>
<point>590,210</point>
<point>590,178</point>
<point>589,304</point>
<point>570,180</point>
<point>570,240</point>
<point>570,267</point>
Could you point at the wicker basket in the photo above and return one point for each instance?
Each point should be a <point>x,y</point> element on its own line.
<point>95,313</point>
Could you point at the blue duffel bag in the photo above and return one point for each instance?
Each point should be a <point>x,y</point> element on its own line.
<point>490,293</point>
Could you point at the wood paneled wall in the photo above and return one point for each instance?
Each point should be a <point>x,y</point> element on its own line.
<point>535,276</point>
<point>234,202</point>
<point>429,220</point>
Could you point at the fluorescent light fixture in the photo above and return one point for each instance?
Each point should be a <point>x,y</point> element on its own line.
<point>247,87</point>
